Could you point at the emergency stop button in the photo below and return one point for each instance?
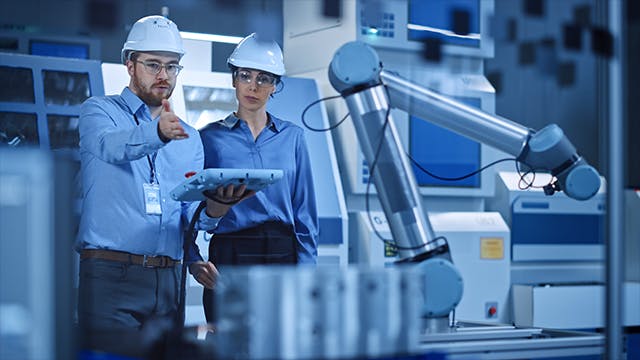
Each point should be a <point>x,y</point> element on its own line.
<point>491,310</point>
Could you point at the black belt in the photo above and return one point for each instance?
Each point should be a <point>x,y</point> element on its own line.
<point>127,258</point>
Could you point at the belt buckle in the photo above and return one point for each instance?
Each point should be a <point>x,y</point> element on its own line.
<point>144,262</point>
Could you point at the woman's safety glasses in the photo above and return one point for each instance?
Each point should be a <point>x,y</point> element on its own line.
<point>262,79</point>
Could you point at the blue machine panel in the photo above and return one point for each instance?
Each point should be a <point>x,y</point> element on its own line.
<point>549,228</point>
<point>557,229</point>
<point>443,153</point>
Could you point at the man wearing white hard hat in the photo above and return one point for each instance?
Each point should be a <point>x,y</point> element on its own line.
<point>279,225</point>
<point>134,151</point>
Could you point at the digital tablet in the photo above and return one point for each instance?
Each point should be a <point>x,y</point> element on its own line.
<point>210,179</point>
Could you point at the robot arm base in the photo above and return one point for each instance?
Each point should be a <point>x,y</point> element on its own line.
<point>442,287</point>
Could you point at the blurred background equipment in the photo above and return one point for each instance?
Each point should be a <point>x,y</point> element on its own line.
<point>37,228</point>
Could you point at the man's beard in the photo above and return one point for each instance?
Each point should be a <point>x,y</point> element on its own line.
<point>148,96</point>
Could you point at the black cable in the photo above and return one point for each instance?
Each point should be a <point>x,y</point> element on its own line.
<point>529,184</point>
<point>190,236</point>
<point>304,121</point>
<point>371,172</point>
<point>443,178</point>
<point>459,177</point>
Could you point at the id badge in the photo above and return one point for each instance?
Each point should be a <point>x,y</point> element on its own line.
<point>152,199</point>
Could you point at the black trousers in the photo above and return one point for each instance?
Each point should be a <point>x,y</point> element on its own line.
<point>267,243</point>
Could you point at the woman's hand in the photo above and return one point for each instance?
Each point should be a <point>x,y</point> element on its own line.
<point>205,273</point>
<point>223,198</point>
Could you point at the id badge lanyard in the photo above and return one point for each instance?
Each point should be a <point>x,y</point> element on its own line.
<point>152,188</point>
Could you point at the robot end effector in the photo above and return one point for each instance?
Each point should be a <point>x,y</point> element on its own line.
<point>549,149</point>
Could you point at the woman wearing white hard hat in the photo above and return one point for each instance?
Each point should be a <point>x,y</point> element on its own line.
<point>279,225</point>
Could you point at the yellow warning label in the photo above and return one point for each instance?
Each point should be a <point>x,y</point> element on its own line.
<point>390,250</point>
<point>491,248</point>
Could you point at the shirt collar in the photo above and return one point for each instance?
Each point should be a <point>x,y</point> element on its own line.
<point>132,100</point>
<point>275,124</point>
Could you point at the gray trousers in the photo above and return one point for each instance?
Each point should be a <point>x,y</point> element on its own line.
<point>114,295</point>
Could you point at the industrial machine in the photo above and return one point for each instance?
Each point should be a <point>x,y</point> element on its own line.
<point>480,249</point>
<point>573,231</point>
<point>37,225</point>
<point>557,266</point>
<point>370,92</point>
<point>371,312</point>
<point>458,73</point>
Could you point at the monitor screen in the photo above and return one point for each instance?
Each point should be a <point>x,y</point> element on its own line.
<point>461,26</point>
<point>455,22</point>
<point>443,153</point>
<point>58,49</point>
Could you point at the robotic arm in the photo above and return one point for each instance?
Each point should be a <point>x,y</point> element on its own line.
<point>369,92</point>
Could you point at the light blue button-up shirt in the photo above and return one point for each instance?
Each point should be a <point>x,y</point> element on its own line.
<point>229,143</point>
<point>114,167</point>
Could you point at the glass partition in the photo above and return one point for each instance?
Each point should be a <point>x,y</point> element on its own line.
<point>18,129</point>
<point>18,85</point>
<point>65,88</point>
<point>63,131</point>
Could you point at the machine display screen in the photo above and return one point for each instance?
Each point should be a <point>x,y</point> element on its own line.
<point>439,19</point>
<point>68,50</point>
<point>443,153</point>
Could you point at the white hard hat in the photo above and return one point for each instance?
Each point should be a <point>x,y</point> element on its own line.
<point>153,33</point>
<point>257,54</point>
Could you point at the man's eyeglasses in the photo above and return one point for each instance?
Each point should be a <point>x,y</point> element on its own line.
<point>154,67</point>
<point>262,79</point>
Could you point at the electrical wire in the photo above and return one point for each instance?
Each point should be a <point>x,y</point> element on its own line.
<point>190,235</point>
<point>523,183</point>
<point>459,177</point>
<point>372,168</point>
<point>304,112</point>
